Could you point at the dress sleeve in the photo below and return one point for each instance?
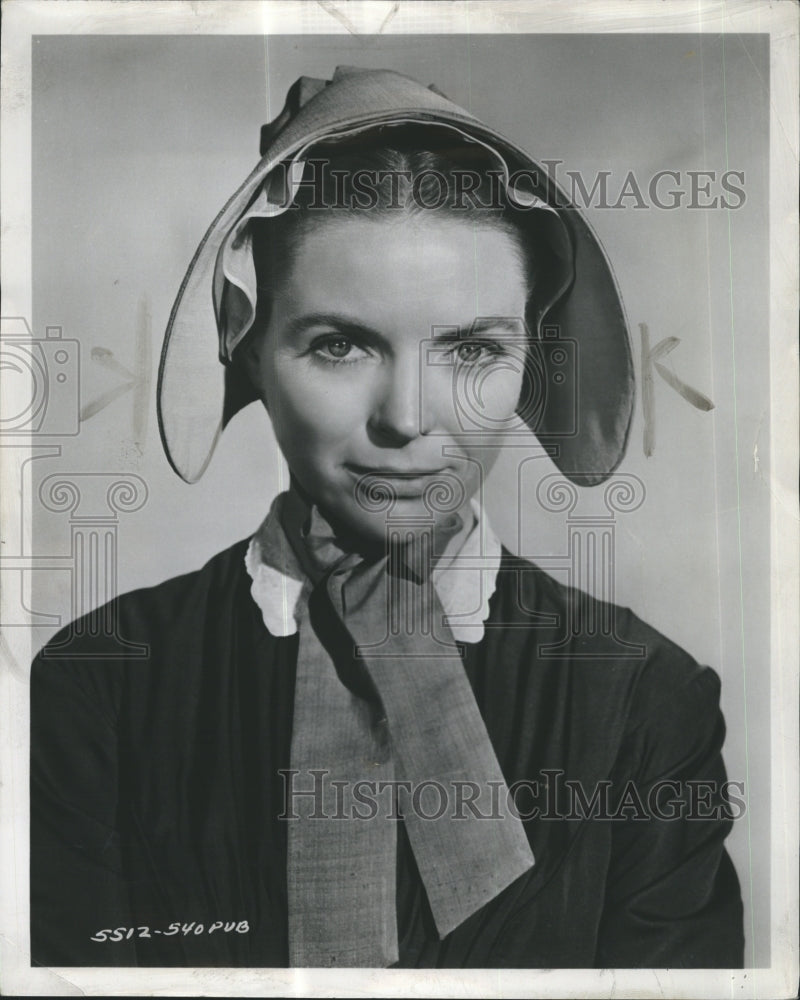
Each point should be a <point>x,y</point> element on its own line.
<point>672,894</point>
<point>77,883</point>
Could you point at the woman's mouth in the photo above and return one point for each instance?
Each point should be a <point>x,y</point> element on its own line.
<point>404,483</point>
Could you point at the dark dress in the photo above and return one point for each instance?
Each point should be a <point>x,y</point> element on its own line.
<point>155,791</point>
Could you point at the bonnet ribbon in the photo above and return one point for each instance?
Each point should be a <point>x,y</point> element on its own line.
<point>386,726</point>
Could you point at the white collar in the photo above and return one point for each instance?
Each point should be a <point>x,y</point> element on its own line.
<point>464,586</point>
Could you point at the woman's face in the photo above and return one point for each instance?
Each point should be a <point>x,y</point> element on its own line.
<point>395,347</point>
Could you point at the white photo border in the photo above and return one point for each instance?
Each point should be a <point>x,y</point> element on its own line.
<point>25,18</point>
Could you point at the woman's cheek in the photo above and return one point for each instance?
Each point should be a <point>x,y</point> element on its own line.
<point>500,392</point>
<point>485,396</point>
<point>497,418</point>
<point>309,417</point>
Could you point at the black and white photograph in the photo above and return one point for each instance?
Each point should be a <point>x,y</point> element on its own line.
<point>400,513</point>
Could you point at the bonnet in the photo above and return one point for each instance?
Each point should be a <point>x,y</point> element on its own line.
<point>579,340</point>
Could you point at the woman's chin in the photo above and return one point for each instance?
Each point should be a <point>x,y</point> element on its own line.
<point>409,514</point>
<point>408,517</point>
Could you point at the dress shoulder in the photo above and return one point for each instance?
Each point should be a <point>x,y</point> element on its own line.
<point>604,645</point>
<point>148,615</point>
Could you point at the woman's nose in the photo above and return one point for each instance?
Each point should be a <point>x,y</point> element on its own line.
<point>398,415</point>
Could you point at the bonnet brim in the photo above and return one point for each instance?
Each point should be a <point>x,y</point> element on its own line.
<point>583,423</point>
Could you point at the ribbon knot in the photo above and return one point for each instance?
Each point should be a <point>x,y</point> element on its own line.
<point>386,727</point>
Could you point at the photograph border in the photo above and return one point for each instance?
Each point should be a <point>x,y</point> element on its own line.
<point>24,19</point>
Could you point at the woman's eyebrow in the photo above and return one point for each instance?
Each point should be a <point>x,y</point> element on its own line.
<point>484,324</point>
<point>343,323</point>
<point>340,321</point>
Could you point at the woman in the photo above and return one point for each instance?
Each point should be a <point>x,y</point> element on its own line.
<point>368,735</point>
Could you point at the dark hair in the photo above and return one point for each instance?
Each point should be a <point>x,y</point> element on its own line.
<point>386,171</point>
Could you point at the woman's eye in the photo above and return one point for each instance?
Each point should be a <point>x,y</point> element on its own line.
<point>339,348</point>
<point>470,352</point>
<point>335,349</point>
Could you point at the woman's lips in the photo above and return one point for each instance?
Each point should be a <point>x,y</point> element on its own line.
<point>405,483</point>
